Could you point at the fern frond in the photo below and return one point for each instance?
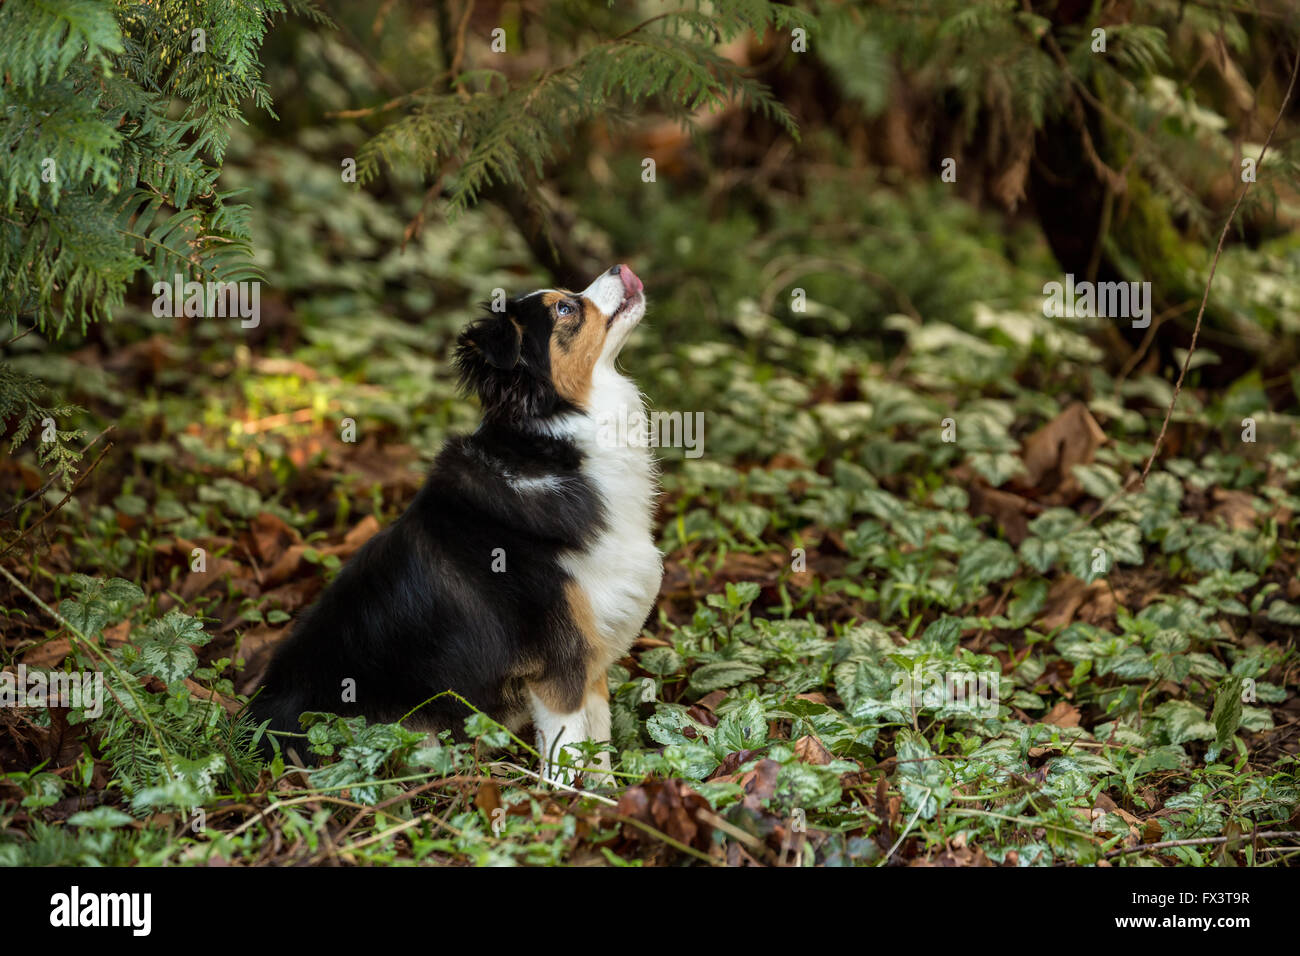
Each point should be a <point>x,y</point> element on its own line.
<point>488,131</point>
<point>101,177</point>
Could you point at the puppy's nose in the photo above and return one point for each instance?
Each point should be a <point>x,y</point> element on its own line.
<point>614,270</point>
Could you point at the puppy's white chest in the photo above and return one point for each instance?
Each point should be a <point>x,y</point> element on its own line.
<point>621,570</point>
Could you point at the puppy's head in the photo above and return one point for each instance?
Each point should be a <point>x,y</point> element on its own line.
<point>539,355</point>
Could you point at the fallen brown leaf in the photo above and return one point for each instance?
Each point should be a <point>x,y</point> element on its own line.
<point>488,798</point>
<point>1063,715</point>
<point>271,535</point>
<point>52,653</point>
<point>1235,508</point>
<point>361,532</point>
<point>811,750</point>
<point>1069,439</point>
<point>669,806</point>
<point>1011,512</point>
<point>1065,598</point>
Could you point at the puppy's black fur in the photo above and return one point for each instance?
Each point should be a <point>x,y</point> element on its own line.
<point>420,609</point>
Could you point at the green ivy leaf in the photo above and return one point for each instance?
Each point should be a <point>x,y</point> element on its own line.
<point>1227,712</point>
<point>721,675</point>
<point>921,778</point>
<point>744,728</point>
<point>1039,553</point>
<point>1283,612</point>
<point>165,648</point>
<point>100,818</point>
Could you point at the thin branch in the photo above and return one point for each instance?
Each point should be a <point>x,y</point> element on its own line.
<point>1205,841</point>
<point>72,491</point>
<point>458,57</point>
<point>371,110</point>
<point>660,835</point>
<point>1140,352</point>
<point>27,331</point>
<point>104,656</point>
<point>1214,264</point>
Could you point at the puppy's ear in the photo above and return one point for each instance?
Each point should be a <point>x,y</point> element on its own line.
<point>492,363</point>
<point>497,338</point>
<point>487,360</point>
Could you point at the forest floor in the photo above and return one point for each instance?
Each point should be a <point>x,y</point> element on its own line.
<point>865,527</point>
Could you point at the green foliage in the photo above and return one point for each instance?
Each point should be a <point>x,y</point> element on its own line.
<point>482,129</point>
<point>20,404</point>
<point>102,178</point>
<point>168,748</point>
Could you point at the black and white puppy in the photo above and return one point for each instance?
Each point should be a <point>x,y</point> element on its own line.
<point>525,565</point>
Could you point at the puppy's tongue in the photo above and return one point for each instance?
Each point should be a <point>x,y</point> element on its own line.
<point>631,284</point>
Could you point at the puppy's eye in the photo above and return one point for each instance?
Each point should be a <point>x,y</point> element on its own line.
<point>564,309</point>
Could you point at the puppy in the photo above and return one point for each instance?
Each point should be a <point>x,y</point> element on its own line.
<point>525,565</point>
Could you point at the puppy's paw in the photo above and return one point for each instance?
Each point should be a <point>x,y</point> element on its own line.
<point>579,770</point>
<point>597,773</point>
<point>557,775</point>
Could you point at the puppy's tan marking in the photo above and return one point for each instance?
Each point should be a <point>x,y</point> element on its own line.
<point>576,344</point>
<point>597,663</point>
<point>557,694</point>
<point>583,615</point>
<point>564,687</point>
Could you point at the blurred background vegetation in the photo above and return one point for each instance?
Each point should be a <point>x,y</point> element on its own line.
<point>775,169</point>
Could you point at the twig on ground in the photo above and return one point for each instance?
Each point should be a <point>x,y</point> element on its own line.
<point>72,491</point>
<point>1205,841</point>
<point>1214,264</point>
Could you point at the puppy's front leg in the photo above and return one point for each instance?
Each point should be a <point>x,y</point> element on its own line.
<point>598,726</point>
<point>558,727</point>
